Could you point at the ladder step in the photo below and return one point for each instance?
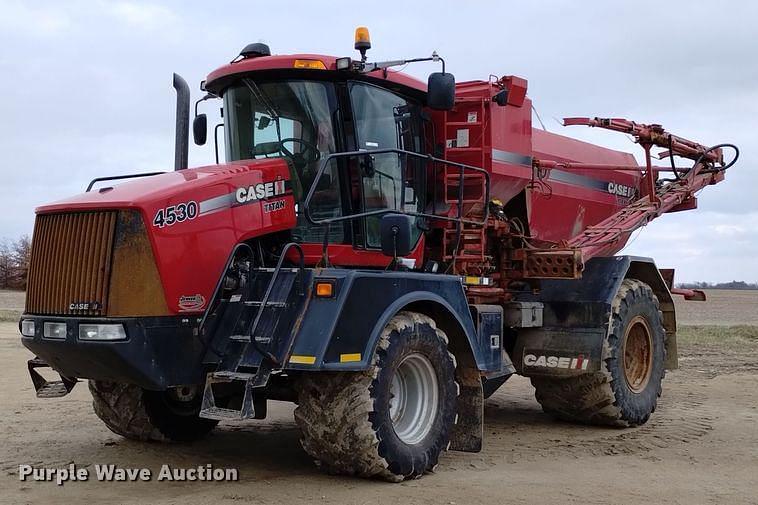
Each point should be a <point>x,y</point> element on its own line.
<point>258,303</point>
<point>455,180</point>
<point>222,414</point>
<point>246,338</point>
<point>465,257</point>
<point>53,390</point>
<point>228,375</point>
<point>470,174</point>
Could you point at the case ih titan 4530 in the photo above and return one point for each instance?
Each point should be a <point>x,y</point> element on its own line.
<point>385,253</point>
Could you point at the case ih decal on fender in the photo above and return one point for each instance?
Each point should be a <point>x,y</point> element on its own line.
<point>261,191</point>
<point>549,361</point>
<point>246,194</point>
<point>175,214</point>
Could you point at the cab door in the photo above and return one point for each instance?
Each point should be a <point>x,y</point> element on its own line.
<point>384,120</point>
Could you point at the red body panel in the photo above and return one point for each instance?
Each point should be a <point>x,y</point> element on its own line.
<point>191,255</point>
<point>498,138</point>
<point>580,198</point>
<point>501,140</point>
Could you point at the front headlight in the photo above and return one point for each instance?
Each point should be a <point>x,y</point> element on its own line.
<point>27,327</point>
<point>102,332</point>
<point>54,330</point>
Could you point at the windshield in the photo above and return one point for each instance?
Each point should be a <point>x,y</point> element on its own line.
<point>262,114</point>
<point>291,119</point>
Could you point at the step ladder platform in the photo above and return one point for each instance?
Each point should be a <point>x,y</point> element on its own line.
<point>53,390</point>
<point>254,341</point>
<point>253,405</point>
<point>45,388</point>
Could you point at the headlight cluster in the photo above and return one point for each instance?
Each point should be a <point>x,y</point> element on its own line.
<point>27,328</point>
<point>56,330</point>
<point>102,332</point>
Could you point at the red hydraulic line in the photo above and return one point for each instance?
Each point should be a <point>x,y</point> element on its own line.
<point>650,134</point>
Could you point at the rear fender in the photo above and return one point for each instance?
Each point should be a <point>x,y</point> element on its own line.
<point>577,314</point>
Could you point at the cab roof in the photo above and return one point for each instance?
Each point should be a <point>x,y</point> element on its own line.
<point>222,77</point>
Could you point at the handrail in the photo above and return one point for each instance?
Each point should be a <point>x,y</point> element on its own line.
<point>269,288</point>
<point>119,177</point>
<point>427,157</point>
<point>266,296</point>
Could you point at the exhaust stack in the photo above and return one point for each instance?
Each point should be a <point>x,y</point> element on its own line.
<point>181,149</point>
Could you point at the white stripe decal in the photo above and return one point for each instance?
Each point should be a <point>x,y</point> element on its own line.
<point>216,203</point>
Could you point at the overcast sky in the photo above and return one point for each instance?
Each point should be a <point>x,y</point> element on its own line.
<point>85,87</point>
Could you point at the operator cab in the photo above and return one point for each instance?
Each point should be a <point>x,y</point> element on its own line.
<point>304,120</point>
<point>308,108</point>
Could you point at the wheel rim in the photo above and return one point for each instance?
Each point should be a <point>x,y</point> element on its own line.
<point>414,398</point>
<point>182,400</point>
<point>638,354</point>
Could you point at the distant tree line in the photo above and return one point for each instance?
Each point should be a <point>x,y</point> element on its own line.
<point>14,262</point>
<point>719,285</point>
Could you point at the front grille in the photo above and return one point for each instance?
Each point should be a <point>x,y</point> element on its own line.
<point>70,263</point>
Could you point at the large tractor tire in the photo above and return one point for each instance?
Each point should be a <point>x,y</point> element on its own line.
<point>392,421</point>
<point>626,389</point>
<point>139,414</point>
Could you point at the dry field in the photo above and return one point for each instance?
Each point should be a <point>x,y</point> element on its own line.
<point>724,307</point>
<point>701,445</point>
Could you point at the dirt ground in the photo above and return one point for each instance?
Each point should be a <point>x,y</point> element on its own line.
<point>701,446</point>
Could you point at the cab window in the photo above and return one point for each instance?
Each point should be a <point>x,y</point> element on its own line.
<point>292,119</point>
<point>384,120</point>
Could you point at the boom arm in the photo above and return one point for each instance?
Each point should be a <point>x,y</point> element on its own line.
<point>658,196</point>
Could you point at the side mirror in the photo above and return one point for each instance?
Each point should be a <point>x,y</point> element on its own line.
<point>440,94</point>
<point>200,129</point>
<point>396,231</point>
<point>263,122</point>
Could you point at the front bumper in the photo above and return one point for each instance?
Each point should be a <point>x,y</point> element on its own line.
<point>158,353</point>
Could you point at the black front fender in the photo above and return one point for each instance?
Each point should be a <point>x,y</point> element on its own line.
<point>341,333</point>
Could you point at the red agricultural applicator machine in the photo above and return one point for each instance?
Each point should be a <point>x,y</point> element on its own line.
<point>384,252</point>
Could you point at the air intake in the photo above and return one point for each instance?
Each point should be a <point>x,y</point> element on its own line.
<point>71,263</point>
